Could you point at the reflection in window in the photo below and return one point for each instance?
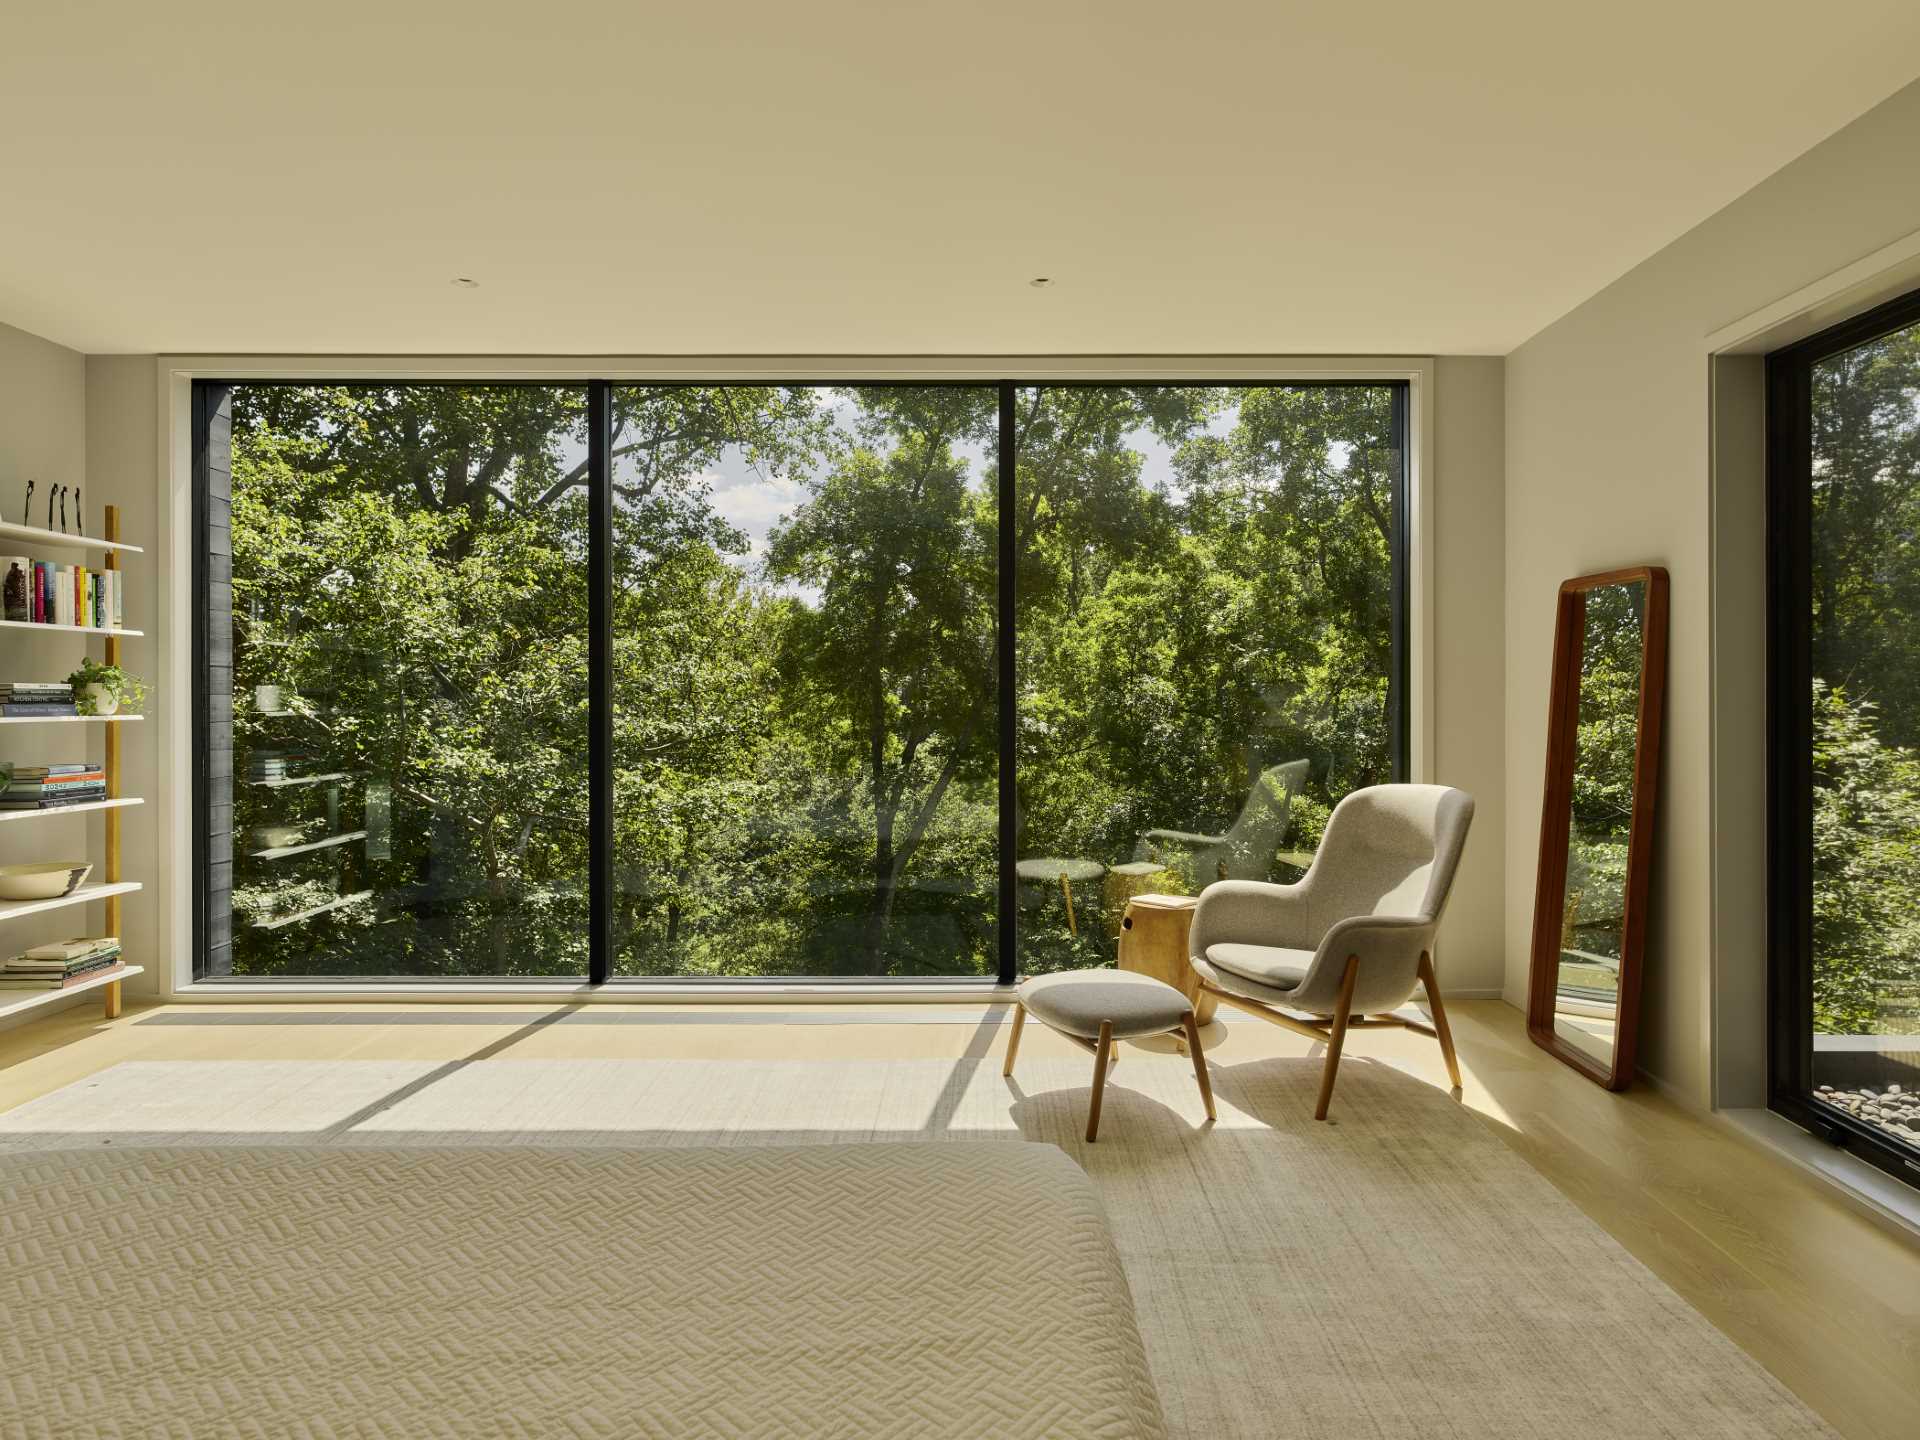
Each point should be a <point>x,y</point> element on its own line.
<point>409,707</point>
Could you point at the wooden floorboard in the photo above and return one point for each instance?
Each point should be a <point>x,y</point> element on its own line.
<point>1824,1297</point>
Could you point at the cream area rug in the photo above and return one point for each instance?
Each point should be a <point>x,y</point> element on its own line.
<point>1398,1273</point>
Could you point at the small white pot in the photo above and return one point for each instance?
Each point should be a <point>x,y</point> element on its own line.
<point>105,702</point>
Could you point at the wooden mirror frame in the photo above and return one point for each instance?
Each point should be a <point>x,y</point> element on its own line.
<point>1550,892</point>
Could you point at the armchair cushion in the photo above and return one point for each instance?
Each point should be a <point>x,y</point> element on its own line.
<point>1274,965</point>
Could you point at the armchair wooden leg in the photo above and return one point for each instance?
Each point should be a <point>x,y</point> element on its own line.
<point>1013,1040</point>
<point>1199,1062</point>
<point>1440,1029</point>
<point>1100,1058</point>
<point>1337,1036</point>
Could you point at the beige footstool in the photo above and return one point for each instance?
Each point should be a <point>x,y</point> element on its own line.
<point>1094,1008</point>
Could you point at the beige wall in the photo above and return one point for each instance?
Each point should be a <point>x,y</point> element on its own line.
<point>1468,665</point>
<point>1608,463</point>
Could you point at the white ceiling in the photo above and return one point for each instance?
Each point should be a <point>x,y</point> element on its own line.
<point>1218,176</point>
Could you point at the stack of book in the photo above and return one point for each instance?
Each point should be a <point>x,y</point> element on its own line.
<point>30,698</point>
<point>48,787</point>
<point>48,593</point>
<point>55,967</point>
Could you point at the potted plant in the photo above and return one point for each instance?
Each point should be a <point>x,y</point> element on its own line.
<point>103,689</point>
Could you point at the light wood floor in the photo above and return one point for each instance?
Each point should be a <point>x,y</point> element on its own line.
<point>1824,1298</point>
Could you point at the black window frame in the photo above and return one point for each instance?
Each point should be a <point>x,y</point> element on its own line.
<point>209,408</point>
<point>1789,724</point>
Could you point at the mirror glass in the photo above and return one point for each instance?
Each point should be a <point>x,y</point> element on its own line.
<point>1592,926</point>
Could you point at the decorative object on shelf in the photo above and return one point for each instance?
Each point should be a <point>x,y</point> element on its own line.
<point>44,880</point>
<point>26,509</point>
<point>103,689</point>
<point>52,492</point>
<point>18,606</point>
<point>79,520</point>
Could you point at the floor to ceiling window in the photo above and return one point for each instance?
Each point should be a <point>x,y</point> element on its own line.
<point>805,748</point>
<point>1206,642</point>
<point>1844,481</point>
<point>763,681</point>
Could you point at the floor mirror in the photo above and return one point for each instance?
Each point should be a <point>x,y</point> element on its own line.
<point>1596,828</point>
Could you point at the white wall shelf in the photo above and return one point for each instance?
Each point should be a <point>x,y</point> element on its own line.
<point>12,1001</point>
<point>6,815</point>
<point>14,909</point>
<point>53,629</point>
<point>35,535</point>
<point>111,887</point>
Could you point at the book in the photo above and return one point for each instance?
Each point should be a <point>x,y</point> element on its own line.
<point>76,948</point>
<point>56,971</point>
<point>34,982</point>
<point>42,969</point>
<point>97,949</point>
<point>27,709</point>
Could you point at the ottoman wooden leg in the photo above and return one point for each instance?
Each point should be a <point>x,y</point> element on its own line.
<point>1013,1040</point>
<point>1199,1063</point>
<point>1100,1058</point>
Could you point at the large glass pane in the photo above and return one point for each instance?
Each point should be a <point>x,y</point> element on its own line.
<point>805,736</point>
<point>1205,639</point>
<point>410,680</point>
<point>1866,733</point>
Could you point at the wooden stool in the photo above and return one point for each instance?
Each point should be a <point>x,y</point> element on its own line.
<point>1093,1008</point>
<point>1153,941</point>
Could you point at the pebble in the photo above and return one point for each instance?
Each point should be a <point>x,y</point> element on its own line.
<point>1896,1111</point>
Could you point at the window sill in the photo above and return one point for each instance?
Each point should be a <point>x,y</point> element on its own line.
<point>1866,1187</point>
<point>638,991</point>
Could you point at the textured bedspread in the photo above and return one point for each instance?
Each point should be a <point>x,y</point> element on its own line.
<point>823,1290</point>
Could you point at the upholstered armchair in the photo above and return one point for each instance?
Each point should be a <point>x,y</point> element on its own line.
<point>1246,850</point>
<point>1352,940</point>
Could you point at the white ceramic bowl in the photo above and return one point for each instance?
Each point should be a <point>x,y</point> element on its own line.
<point>42,882</point>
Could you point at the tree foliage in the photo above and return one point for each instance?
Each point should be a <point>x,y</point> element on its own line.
<point>806,746</point>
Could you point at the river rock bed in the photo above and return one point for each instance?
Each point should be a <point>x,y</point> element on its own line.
<point>1892,1107</point>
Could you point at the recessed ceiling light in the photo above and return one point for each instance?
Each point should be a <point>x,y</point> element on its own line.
<point>1041,282</point>
<point>465,284</point>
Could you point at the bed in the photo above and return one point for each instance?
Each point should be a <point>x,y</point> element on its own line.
<point>957,1289</point>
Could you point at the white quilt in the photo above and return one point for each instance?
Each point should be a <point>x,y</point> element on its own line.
<point>824,1290</point>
